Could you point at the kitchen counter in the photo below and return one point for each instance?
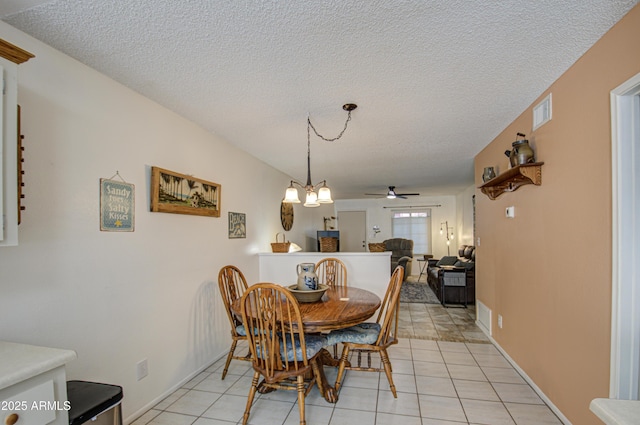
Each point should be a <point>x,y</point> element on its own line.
<point>616,412</point>
<point>21,362</point>
<point>33,387</point>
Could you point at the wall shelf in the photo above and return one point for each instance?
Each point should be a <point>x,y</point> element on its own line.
<point>512,179</point>
<point>10,165</point>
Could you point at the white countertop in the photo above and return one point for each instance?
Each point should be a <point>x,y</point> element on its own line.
<point>19,362</point>
<point>366,270</point>
<point>616,412</point>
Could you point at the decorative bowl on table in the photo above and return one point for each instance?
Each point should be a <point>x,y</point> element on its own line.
<point>310,295</point>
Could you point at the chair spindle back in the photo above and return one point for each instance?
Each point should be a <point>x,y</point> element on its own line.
<point>272,318</point>
<point>332,272</point>
<point>233,285</point>
<point>390,308</point>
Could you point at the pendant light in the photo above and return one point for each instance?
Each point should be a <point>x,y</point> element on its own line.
<point>323,195</point>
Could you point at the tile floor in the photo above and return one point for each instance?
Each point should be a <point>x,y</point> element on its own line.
<point>435,322</point>
<point>445,374</point>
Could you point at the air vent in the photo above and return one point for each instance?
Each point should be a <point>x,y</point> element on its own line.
<point>542,112</point>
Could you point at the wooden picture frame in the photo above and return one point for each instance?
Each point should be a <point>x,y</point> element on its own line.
<point>177,193</point>
<point>237,225</point>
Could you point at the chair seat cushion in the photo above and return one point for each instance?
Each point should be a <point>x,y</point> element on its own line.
<point>467,265</point>
<point>449,260</point>
<point>243,332</point>
<point>314,344</point>
<point>364,333</point>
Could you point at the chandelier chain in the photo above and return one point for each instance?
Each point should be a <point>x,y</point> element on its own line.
<point>346,123</point>
<point>323,196</point>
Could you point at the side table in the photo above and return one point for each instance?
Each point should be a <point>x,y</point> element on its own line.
<point>424,262</point>
<point>453,277</point>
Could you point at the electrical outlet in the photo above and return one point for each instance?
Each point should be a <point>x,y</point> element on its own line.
<point>142,369</point>
<point>500,321</point>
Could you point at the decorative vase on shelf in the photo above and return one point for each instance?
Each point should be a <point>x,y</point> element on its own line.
<point>489,173</point>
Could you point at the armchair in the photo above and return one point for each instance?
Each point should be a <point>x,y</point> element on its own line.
<point>401,253</point>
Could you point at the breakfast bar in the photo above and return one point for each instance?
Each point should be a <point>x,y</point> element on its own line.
<point>366,270</point>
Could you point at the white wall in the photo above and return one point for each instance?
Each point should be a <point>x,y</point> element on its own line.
<point>314,220</point>
<point>464,217</point>
<point>118,298</point>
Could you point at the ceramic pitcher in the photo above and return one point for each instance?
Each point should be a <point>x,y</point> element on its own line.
<point>307,278</point>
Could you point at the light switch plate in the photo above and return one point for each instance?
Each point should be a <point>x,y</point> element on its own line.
<point>510,212</point>
<point>142,369</point>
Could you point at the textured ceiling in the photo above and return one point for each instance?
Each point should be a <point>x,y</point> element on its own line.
<point>435,81</point>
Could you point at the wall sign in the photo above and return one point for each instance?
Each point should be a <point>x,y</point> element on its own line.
<point>237,225</point>
<point>117,205</point>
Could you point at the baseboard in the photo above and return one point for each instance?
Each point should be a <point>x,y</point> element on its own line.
<point>130,419</point>
<point>529,381</point>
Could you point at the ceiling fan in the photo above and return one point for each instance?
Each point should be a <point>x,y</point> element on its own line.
<point>391,194</point>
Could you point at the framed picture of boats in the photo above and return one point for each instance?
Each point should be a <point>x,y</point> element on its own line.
<point>177,193</point>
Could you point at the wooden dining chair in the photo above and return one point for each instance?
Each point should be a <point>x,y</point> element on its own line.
<point>232,286</point>
<point>372,337</point>
<point>280,350</point>
<point>332,272</point>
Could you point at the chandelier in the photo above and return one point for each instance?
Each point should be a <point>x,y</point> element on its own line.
<point>318,193</point>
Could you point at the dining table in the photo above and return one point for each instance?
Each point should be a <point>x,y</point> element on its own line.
<point>339,307</point>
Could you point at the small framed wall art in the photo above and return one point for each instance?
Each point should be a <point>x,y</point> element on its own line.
<point>177,193</point>
<point>237,225</point>
<point>117,205</point>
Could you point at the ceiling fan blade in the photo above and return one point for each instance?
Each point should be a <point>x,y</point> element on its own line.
<point>391,194</point>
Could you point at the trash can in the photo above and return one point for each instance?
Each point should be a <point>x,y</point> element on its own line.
<point>94,401</point>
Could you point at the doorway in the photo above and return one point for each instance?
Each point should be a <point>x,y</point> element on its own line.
<point>353,231</point>
<point>625,316</point>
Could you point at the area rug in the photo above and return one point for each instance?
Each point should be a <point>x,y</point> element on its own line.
<point>412,292</point>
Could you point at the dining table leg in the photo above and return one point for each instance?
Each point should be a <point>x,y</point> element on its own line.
<point>329,391</point>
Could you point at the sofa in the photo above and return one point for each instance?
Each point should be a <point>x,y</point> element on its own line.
<point>401,253</point>
<point>464,262</point>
